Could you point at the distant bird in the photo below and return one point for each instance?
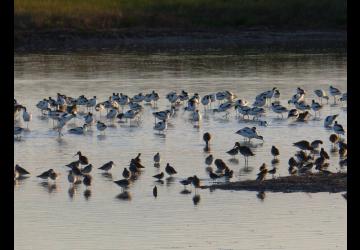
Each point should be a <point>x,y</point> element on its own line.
<point>207,138</point>
<point>338,128</point>
<point>82,158</point>
<point>262,175</point>
<point>234,151</point>
<point>21,171</point>
<point>87,169</point>
<point>101,126</point>
<point>316,107</point>
<point>220,165</point>
<point>107,166</point>
<point>329,120</point>
<point>137,158</point>
<point>155,191</point>
<point>45,175</point>
<point>303,117</point>
<point>159,176</point>
<point>246,152</point>
<point>334,92</point>
<point>53,175</point>
<point>170,170</point>
<point>126,173</point>
<point>321,94</point>
<point>213,175</point>
<point>315,144</point>
<point>249,133</point>
<point>123,183</point>
<point>71,178</point>
<point>292,162</point>
<point>334,138</point>
<point>275,151</point>
<point>196,181</point>
<point>209,160</point>
<point>186,181</point>
<point>293,113</point>
<point>157,158</point>
<point>272,172</point>
<point>262,167</point>
<point>279,109</point>
<point>324,154</point>
<point>304,145</point>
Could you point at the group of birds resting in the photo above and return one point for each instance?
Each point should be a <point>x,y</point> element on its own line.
<point>64,109</point>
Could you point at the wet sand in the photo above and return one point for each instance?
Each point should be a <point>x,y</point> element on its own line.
<point>319,182</point>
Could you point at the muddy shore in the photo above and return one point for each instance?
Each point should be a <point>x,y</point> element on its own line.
<point>336,182</point>
<point>176,40</point>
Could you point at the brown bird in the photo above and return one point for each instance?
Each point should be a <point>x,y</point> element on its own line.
<point>334,138</point>
<point>262,175</point>
<point>220,165</point>
<point>262,167</point>
<point>303,116</point>
<point>82,158</point>
<point>324,154</point>
<point>137,158</point>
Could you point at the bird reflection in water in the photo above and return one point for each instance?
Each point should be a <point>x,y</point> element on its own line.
<point>50,187</point>
<point>87,194</point>
<point>124,196</point>
<point>72,192</point>
<point>196,199</point>
<point>261,195</point>
<point>107,176</point>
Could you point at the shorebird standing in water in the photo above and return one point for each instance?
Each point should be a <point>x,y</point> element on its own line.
<point>170,170</point>
<point>246,152</point>
<point>107,166</point>
<point>275,152</point>
<point>157,158</point>
<point>207,138</point>
<point>334,92</point>
<point>82,158</point>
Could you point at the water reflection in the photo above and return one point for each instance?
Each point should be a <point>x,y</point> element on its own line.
<point>124,196</point>
<point>196,199</point>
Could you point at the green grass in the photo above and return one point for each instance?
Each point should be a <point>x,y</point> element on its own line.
<point>113,14</point>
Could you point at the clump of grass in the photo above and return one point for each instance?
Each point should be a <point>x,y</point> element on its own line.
<point>113,14</point>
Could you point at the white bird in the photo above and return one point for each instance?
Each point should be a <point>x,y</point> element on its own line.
<point>101,126</point>
<point>297,98</point>
<point>196,116</point>
<point>138,98</point>
<point>130,114</point>
<point>279,109</point>
<point>302,106</point>
<point>343,98</point>
<point>249,133</point>
<point>334,92</point>
<point>91,102</point>
<point>321,94</point>
<point>27,116</point>
<point>256,112</point>
<point>111,114</point>
<point>260,102</point>
<point>89,119</point>
<point>329,120</point>
<point>316,107</point>
<point>338,129</point>
<point>79,130</point>
<point>18,131</point>
<point>160,126</point>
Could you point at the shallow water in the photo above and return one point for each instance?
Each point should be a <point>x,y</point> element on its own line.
<point>48,216</point>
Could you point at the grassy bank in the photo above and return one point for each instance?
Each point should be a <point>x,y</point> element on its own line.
<point>114,14</point>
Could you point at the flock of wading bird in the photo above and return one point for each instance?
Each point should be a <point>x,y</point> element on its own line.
<point>64,108</point>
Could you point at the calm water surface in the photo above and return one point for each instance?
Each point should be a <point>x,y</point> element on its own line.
<point>48,217</point>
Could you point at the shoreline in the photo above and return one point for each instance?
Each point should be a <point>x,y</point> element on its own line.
<point>158,40</point>
<point>333,183</point>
